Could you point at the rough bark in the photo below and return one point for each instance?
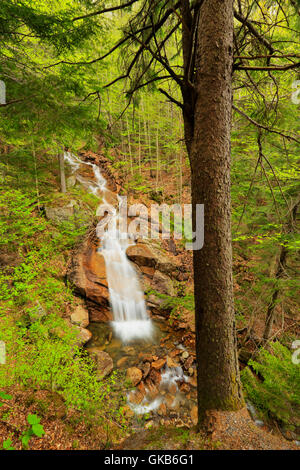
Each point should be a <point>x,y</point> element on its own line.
<point>218,373</point>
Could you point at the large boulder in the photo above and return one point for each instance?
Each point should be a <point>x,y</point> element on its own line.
<point>60,214</point>
<point>134,375</point>
<point>83,336</point>
<point>80,316</point>
<point>87,274</point>
<point>149,253</point>
<point>163,283</point>
<point>103,361</point>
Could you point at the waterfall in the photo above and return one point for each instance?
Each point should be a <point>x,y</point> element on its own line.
<point>130,318</point>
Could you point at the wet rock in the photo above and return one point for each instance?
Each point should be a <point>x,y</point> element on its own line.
<point>171,363</point>
<point>83,336</point>
<point>193,381</point>
<point>191,371</point>
<point>149,253</point>
<point>163,284</point>
<point>87,274</point>
<point>80,317</point>
<point>146,369</point>
<point>152,390</point>
<point>184,388</point>
<point>129,350</point>
<point>104,363</point>
<point>134,375</point>
<point>175,352</point>
<point>155,376</point>
<point>71,181</point>
<point>154,301</point>
<point>188,363</point>
<point>172,388</point>
<point>184,355</point>
<point>142,255</point>
<point>162,410</point>
<point>145,357</point>
<point>60,214</point>
<point>149,271</point>
<point>158,364</point>
<point>121,362</point>
<point>141,388</point>
<point>136,397</point>
<point>170,400</point>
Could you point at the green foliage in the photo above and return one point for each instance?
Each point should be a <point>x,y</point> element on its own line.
<point>17,224</point>
<point>46,355</point>
<point>277,392</point>
<point>35,429</point>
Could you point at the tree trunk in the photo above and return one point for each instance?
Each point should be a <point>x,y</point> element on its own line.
<point>218,372</point>
<point>62,173</point>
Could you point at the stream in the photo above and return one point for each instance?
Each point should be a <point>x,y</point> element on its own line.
<point>132,338</point>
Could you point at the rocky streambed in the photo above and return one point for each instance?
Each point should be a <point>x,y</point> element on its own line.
<point>161,372</point>
<point>161,375</point>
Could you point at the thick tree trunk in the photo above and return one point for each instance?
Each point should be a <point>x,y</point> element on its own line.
<point>218,373</point>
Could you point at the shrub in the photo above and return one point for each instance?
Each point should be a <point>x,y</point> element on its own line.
<point>277,394</point>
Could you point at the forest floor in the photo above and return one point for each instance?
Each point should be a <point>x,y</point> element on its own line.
<point>66,430</point>
<point>233,431</point>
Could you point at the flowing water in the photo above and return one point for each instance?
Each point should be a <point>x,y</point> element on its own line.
<point>130,318</point>
<point>131,322</point>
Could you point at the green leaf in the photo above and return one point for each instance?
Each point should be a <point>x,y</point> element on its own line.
<point>33,419</point>
<point>5,396</point>
<point>7,445</point>
<point>38,430</point>
<point>25,440</point>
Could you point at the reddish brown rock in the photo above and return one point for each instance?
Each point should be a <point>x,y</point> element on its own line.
<point>136,397</point>
<point>193,381</point>
<point>104,363</point>
<point>194,415</point>
<point>146,369</point>
<point>158,364</point>
<point>175,352</point>
<point>152,390</point>
<point>162,410</point>
<point>83,336</point>
<point>80,317</point>
<point>171,362</point>
<point>134,375</point>
<point>170,400</point>
<point>155,376</point>
<point>87,274</point>
<point>148,271</point>
<point>188,363</point>
<point>141,388</point>
<point>121,362</point>
<point>146,357</point>
<point>185,388</point>
<point>172,388</point>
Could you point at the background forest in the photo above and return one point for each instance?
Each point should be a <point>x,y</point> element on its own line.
<point>66,87</point>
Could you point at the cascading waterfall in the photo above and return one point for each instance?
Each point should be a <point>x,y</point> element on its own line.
<point>131,320</point>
